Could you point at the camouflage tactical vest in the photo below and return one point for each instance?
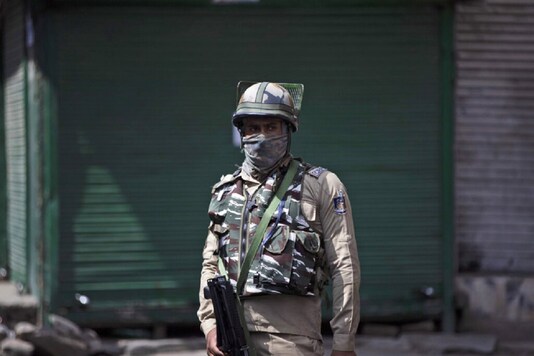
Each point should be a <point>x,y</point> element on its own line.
<point>288,260</point>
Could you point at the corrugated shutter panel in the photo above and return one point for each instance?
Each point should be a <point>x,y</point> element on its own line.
<point>495,136</point>
<point>15,131</point>
<point>145,99</point>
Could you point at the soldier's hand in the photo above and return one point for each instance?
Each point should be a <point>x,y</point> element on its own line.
<point>343,353</point>
<point>211,344</point>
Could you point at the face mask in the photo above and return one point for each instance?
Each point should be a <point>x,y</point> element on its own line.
<point>262,153</point>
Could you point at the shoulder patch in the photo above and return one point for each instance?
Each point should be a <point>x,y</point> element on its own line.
<point>317,171</point>
<point>339,203</point>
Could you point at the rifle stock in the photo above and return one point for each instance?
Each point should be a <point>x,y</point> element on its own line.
<point>230,334</point>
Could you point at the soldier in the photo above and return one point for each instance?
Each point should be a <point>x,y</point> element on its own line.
<point>310,237</point>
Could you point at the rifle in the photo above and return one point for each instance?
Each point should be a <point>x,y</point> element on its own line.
<point>230,334</point>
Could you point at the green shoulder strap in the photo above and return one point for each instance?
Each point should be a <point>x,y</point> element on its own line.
<point>264,222</point>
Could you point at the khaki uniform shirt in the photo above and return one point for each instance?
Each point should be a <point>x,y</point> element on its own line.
<point>297,314</point>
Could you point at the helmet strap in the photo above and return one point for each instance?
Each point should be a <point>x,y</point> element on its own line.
<point>288,130</point>
<point>240,129</point>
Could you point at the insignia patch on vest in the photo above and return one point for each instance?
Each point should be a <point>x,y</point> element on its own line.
<point>317,171</point>
<point>339,203</point>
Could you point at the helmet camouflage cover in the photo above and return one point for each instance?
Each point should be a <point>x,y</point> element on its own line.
<point>281,100</point>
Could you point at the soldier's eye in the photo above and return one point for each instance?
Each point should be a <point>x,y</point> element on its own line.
<point>251,129</point>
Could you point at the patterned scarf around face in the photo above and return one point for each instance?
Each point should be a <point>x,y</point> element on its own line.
<point>263,153</point>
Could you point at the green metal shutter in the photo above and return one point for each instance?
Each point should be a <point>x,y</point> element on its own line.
<point>145,97</point>
<point>15,132</point>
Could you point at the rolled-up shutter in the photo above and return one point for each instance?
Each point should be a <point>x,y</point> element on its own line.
<point>145,97</point>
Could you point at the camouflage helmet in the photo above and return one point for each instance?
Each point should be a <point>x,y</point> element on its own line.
<point>266,99</point>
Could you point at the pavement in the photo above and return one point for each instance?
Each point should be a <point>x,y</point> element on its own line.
<point>419,339</point>
<point>406,344</point>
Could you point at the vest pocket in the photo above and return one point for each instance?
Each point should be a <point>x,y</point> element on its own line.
<point>277,258</point>
<point>288,261</point>
<point>304,257</point>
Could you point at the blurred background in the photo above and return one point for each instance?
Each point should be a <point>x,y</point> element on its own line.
<point>117,123</point>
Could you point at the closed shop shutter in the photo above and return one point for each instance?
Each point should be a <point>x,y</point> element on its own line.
<point>145,97</point>
<point>15,132</point>
<point>495,135</point>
